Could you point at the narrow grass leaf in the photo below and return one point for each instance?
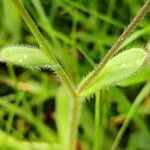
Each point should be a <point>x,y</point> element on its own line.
<point>10,142</point>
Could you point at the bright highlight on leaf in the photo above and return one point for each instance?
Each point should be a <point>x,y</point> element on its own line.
<point>25,56</point>
<point>117,69</point>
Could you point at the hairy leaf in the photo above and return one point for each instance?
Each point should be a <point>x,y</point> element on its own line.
<point>143,76</point>
<point>117,69</point>
<point>25,56</point>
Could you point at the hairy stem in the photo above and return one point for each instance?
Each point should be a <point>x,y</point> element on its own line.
<point>44,45</point>
<point>97,121</point>
<point>116,47</point>
<point>58,69</point>
<point>74,123</point>
<point>144,92</point>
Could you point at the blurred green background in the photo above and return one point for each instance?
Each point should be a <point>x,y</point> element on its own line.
<point>34,105</point>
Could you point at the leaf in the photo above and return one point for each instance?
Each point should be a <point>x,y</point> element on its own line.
<point>8,141</point>
<point>143,76</point>
<point>12,20</point>
<point>138,140</point>
<point>123,103</point>
<point>117,69</point>
<point>25,56</point>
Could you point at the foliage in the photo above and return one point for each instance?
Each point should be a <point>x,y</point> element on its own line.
<point>36,106</point>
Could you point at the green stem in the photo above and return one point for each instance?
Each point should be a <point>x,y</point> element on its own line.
<point>144,92</point>
<point>47,26</point>
<point>58,69</point>
<point>94,13</point>
<point>97,122</point>
<point>19,97</point>
<point>12,113</point>
<point>74,123</point>
<point>45,47</point>
<point>116,47</point>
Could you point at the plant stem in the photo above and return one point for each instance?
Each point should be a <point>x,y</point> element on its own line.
<point>58,69</point>
<point>12,113</point>
<point>97,122</point>
<point>45,47</point>
<point>19,97</point>
<point>115,48</point>
<point>94,13</point>
<point>144,92</point>
<point>74,123</point>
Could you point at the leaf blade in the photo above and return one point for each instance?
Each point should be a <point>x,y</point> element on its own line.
<point>117,69</point>
<point>25,56</point>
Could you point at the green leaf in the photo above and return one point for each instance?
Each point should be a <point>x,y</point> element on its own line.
<point>12,20</point>
<point>138,140</point>
<point>143,76</point>
<point>8,141</point>
<point>123,103</point>
<point>25,56</point>
<point>117,69</point>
